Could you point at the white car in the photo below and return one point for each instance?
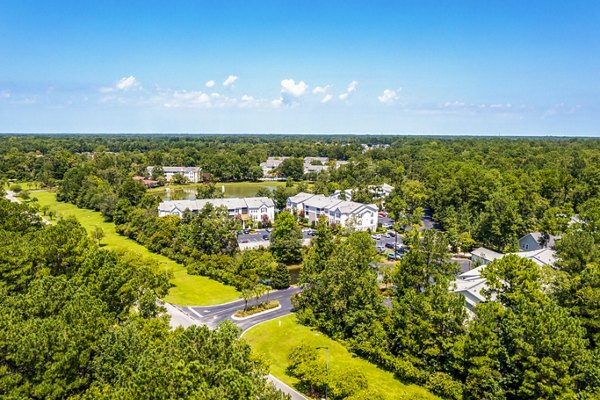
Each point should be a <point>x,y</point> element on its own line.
<point>376,237</point>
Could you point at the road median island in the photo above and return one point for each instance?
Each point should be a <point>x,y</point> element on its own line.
<point>256,310</point>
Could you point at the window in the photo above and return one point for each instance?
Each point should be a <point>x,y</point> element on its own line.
<point>526,247</point>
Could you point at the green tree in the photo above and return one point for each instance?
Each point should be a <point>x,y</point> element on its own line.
<point>281,277</point>
<point>286,239</point>
<point>291,168</point>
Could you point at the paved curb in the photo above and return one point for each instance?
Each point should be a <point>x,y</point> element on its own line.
<point>233,317</point>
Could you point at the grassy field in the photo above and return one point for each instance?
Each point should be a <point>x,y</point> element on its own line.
<point>188,289</point>
<point>232,189</point>
<point>275,339</point>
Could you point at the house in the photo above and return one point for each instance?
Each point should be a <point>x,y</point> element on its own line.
<point>271,164</point>
<point>191,173</point>
<point>472,284</point>
<point>537,241</point>
<point>149,183</point>
<point>315,164</point>
<point>249,208</point>
<point>340,212</point>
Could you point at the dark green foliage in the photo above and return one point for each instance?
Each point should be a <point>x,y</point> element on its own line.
<point>79,322</point>
<point>342,299</point>
<point>281,277</point>
<point>286,239</point>
<point>291,168</point>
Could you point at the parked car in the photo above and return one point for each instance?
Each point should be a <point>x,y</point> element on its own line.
<point>386,226</point>
<point>376,237</point>
<point>391,256</point>
<point>389,245</point>
<point>266,237</point>
<point>391,233</point>
<point>380,249</point>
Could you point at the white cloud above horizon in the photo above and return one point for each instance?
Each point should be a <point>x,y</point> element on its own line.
<point>388,96</point>
<point>349,90</point>
<point>290,92</point>
<point>210,83</point>
<point>230,80</point>
<point>321,89</point>
<point>122,84</point>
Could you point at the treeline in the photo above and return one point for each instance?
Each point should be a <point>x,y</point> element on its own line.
<point>536,336</point>
<point>206,242</point>
<point>81,322</point>
<point>488,191</point>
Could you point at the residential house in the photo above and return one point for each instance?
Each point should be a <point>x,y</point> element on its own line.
<point>537,241</point>
<point>340,212</point>
<point>149,183</point>
<point>315,164</point>
<point>193,174</point>
<point>472,284</point>
<point>249,208</point>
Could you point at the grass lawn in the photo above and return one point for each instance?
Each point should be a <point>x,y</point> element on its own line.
<point>276,338</point>
<point>188,290</point>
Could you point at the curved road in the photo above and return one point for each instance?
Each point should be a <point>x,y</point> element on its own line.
<point>213,315</point>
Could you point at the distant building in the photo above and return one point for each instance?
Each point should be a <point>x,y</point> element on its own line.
<point>315,164</point>
<point>193,174</point>
<point>340,212</point>
<point>378,192</point>
<point>271,164</point>
<point>249,208</point>
<point>537,241</point>
<point>147,182</point>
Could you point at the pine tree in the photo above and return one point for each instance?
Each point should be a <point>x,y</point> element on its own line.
<point>281,277</point>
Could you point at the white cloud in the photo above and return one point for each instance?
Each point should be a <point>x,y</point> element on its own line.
<point>352,87</point>
<point>127,83</point>
<point>4,94</point>
<point>184,98</point>
<point>388,96</point>
<point>321,89</point>
<point>210,83</point>
<point>349,90</point>
<point>290,92</point>
<point>292,88</point>
<point>230,80</point>
<point>326,99</point>
<point>122,84</point>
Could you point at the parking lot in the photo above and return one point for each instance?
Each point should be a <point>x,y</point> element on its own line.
<point>262,238</point>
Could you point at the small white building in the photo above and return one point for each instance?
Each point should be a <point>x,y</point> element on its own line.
<point>193,174</point>
<point>378,192</point>
<point>340,212</point>
<point>249,208</point>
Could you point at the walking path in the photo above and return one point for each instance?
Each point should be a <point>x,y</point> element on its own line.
<point>10,196</point>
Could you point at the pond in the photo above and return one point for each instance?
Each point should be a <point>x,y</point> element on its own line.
<point>244,189</point>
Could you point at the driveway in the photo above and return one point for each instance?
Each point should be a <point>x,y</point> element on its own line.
<point>213,315</point>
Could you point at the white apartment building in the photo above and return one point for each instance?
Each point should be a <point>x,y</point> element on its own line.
<point>193,174</point>
<point>249,208</point>
<point>340,212</point>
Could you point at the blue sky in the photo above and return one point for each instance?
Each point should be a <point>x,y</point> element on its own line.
<point>423,67</point>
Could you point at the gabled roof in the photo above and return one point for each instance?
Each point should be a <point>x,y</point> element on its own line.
<point>538,237</point>
<point>301,197</point>
<point>257,202</point>
<point>486,254</point>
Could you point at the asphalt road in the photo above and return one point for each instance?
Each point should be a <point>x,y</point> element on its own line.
<point>213,315</point>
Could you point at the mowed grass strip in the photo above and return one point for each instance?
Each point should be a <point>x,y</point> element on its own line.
<point>275,339</point>
<point>188,289</point>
